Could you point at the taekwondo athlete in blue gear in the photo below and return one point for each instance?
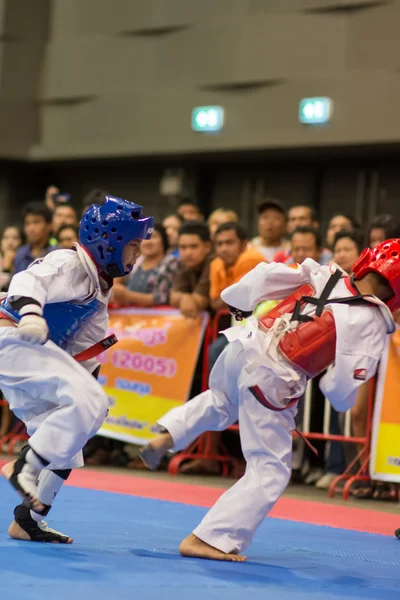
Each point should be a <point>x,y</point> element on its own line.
<point>54,310</point>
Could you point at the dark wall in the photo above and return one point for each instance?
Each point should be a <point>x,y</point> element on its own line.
<point>24,29</point>
<point>112,78</point>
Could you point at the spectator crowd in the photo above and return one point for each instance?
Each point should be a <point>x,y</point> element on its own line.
<point>186,264</point>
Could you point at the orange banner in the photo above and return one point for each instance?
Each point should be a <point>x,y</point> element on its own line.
<point>385,443</point>
<point>150,370</point>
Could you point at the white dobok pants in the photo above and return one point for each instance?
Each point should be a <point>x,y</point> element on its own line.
<point>266,439</point>
<point>61,404</point>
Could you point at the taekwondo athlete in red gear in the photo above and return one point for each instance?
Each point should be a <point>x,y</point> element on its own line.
<point>327,317</point>
<point>53,311</point>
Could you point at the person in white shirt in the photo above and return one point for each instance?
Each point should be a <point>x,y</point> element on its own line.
<point>327,317</point>
<point>271,229</point>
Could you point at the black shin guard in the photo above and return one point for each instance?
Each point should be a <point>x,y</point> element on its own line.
<point>63,473</point>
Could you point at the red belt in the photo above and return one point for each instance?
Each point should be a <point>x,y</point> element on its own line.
<point>87,354</point>
<point>258,395</point>
<point>4,316</point>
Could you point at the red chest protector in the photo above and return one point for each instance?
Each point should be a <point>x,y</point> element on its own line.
<point>311,346</point>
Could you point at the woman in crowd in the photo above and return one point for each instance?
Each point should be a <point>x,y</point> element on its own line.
<point>172,224</point>
<point>339,222</point>
<point>151,282</point>
<point>148,285</point>
<point>346,250</point>
<point>11,240</point>
<point>218,217</point>
<point>382,227</point>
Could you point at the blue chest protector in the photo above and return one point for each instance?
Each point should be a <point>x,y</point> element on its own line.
<point>64,319</point>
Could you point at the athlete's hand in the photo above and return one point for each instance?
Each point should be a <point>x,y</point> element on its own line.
<point>120,295</point>
<point>189,307</point>
<point>33,329</point>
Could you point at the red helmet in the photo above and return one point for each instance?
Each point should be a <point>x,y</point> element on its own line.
<point>385,260</point>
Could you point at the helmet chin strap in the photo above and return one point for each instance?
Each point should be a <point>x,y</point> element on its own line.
<point>104,277</point>
<point>113,271</point>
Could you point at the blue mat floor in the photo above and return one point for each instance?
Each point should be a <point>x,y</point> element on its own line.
<point>126,548</point>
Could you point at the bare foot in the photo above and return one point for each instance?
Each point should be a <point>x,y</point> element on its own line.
<point>39,534</point>
<point>8,469</point>
<point>194,547</point>
<point>202,466</point>
<point>16,532</point>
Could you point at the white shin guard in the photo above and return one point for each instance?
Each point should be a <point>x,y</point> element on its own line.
<point>50,483</point>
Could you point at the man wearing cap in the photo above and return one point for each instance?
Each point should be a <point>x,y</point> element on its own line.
<point>271,229</point>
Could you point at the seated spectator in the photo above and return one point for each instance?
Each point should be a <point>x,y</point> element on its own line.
<point>172,224</point>
<point>346,249</point>
<point>67,236</point>
<point>64,214</point>
<point>271,229</point>
<point>382,227</point>
<point>190,292</point>
<point>233,261</point>
<point>301,215</point>
<point>306,242</point>
<point>191,289</point>
<point>37,228</point>
<point>219,216</point>
<point>377,490</point>
<point>338,223</point>
<point>11,240</point>
<point>150,283</point>
<point>189,211</point>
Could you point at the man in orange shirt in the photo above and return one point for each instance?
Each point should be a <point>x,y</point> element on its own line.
<point>234,259</point>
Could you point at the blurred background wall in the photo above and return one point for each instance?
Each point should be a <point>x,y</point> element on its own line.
<point>100,93</point>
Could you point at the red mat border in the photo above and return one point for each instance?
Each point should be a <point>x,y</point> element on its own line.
<point>317,513</point>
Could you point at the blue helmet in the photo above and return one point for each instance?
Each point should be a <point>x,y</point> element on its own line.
<point>105,230</point>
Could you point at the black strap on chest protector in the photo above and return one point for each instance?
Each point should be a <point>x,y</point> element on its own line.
<point>322,301</point>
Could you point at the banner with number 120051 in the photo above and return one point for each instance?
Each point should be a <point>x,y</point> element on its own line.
<point>150,370</point>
